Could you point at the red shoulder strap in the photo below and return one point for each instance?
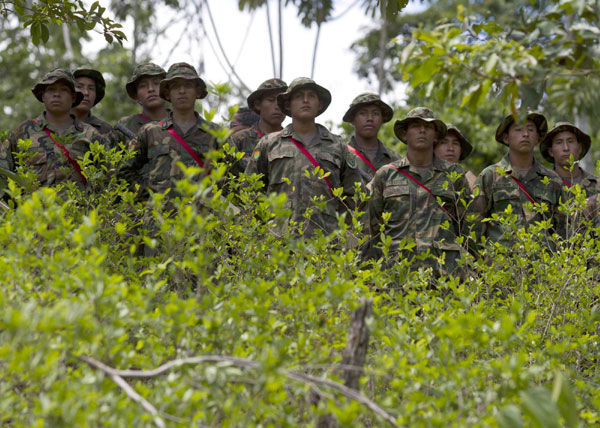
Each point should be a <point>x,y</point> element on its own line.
<point>144,117</point>
<point>566,183</point>
<point>364,158</point>
<point>524,189</point>
<point>259,133</point>
<point>185,145</point>
<point>312,160</point>
<point>420,184</point>
<point>72,161</point>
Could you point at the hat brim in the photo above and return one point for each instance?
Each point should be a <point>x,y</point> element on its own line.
<point>401,125</point>
<point>97,77</point>
<point>323,94</point>
<point>259,94</point>
<point>583,138</point>
<point>164,86</point>
<point>387,112</point>
<point>539,120</point>
<point>39,88</point>
<point>131,86</point>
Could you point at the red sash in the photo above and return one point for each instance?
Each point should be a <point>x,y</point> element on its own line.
<point>72,161</point>
<point>185,145</point>
<point>420,184</point>
<point>312,160</point>
<point>524,189</point>
<point>566,183</point>
<point>259,133</point>
<point>144,117</point>
<point>365,160</point>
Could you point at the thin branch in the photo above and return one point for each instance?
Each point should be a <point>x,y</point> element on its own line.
<point>271,38</point>
<point>314,58</point>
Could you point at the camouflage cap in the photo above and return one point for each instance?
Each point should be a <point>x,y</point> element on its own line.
<point>182,70</point>
<point>540,123</point>
<point>304,83</point>
<point>96,76</point>
<point>583,138</point>
<point>53,76</point>
<point>368,99</point>
<point>419,113</point>
<point>141,70</point>
<point>272,85</point>
<point>465,145</point>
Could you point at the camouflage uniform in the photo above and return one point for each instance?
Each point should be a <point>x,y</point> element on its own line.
<point>157,151</point>
<point>48,160</point>
<point>496,190</point>
<point>135,122</point>
<point>283,167</point>
<point>384,156</point>
<point>246,140</point>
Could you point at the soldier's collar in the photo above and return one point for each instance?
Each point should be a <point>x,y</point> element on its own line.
<point>168,122</point>
<point>321,130</point>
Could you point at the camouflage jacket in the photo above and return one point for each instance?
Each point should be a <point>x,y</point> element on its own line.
<point>154,165</point>
<point>134,123</point>
<point>245,141</point>
<point>589,183</point>
<point>48,160</point>
<point>495,191</point>
<point>111,138</point>
<point>383,157</point>
<point>283,167</point>
<point>417,215</point>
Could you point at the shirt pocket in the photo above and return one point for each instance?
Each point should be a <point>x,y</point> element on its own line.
<point>332,164</point>
<point>503,196</point>
<point>281,165</point>
<point>160,163</point>
<point>398,201</point>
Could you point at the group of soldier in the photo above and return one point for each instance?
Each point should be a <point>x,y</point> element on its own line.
<point>423,197</point>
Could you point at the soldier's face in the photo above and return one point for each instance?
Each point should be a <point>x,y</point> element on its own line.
<point>449,148</point>
<point>420,135</point>
<point>367,121</point>
<point>304,104</point>
<point>522,138</point>
<point>147,90</point>
<point>182,94</point>
<point>269,110</point>
<point>58,98</point>
<point>564,144</point>
<point>87,87</point>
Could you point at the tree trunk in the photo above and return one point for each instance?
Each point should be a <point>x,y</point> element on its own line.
<point>382,45</point>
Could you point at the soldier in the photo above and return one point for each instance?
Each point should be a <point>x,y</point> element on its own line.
<point>563,141</point>
<point>455,147</point>
<point>59,140</point>
<point>143,87</point>
<point>367,113</point>
<point>420,197</point>
<point>244,118</point>
<point>518,180</point>
<point>91,84</point>
<point>263,102</point>
<point>181,137</point>
<point>283,158</point>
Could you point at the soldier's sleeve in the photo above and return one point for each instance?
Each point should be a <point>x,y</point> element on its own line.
<point>237,166</point>
<point>350,175</point>
<point>481,203</point>
<point>375,212</point>
<point>129,169</point>
<point>259,162</point>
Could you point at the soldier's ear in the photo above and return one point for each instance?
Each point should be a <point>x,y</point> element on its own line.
<point>505,138</point>
<point>550,151</point>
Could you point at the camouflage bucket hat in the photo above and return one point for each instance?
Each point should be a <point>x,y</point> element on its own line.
<point>419,113</point>
<point>465,145</point>
<point>539,120</point>
<point>182,70</point>
<point>367,99</point>
<point>583,138</point>
<point>53,76</point>
<point>98,79</point>
<point>141,70</point>
<point>304,83</point>
<point>271,85</point>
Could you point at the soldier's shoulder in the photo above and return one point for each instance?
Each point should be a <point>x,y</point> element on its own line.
<point>23,128</point>
<point>241,135</point>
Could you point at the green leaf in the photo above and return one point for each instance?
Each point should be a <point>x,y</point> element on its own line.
<point>510,417</point>
<point>563,396</point>
<point>537,403</point>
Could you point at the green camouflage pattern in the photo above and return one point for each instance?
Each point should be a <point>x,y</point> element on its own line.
<point>367,99</point>
<point>96,76</point>
<point>589,182</point>
<point>110,136</point>
<point>417,215</point>
<point>383,157</point>
<point>182,70</point>
<point>304,83</point>
<point>421,113</point>
<point>272,85</point>
<point>53,76</point>
<point>49,162</point>
<point>134,123</point>
<point>278,160</point>
<point>583,138</point>
<point>141,70</point>
<point>245,141</point>
<point>154,165</point>
<point>537,118</point>
<point>495,191</point>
